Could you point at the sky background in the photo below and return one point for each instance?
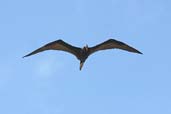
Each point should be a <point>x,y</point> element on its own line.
<point>111,82</point>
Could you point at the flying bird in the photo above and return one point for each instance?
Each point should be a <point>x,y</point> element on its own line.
<point>83,53</point>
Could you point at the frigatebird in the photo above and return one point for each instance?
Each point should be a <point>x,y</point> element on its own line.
<point>83,53</point>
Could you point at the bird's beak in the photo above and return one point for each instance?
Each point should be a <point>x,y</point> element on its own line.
<point>81,65</point>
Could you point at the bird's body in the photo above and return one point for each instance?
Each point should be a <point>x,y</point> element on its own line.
<point>83,53</point>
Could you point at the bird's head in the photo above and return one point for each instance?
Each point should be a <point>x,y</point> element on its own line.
<point>85,48</point>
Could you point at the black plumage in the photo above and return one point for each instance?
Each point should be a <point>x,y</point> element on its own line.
<point>83,53</point>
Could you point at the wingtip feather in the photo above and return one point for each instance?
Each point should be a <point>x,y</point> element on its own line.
<point>138,52</point>
<point>25,56</point>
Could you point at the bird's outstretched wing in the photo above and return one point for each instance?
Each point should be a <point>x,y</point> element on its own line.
<point>57,45</point>
<point>111,44</point>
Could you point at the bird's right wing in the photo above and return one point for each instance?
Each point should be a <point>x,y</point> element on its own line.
<point>57,45</point>
<point>113,44</point>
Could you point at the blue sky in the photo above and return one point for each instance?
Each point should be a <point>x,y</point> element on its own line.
<point>111,82</point>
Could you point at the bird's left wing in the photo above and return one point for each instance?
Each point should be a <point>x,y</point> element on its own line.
<point>113,44</point>
<point>57,45</point>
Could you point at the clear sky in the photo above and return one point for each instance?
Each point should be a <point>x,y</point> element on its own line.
<point>111,82</point>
